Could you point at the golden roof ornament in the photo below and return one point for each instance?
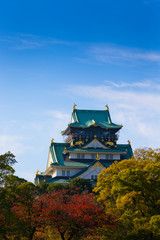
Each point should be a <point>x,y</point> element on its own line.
<point>97,157</point>
<point>74,107</point>
<point>129,142</point>
<point>37,172</point>
<point>107,108</point>
<point>52,140</point>
<point>72,144</point>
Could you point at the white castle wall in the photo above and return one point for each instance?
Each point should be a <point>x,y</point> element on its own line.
<point>94,155</point>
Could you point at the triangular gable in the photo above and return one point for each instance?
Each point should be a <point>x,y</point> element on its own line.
<point>95,144</point>
<point>93,169</point>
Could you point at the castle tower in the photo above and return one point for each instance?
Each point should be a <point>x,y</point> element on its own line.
<point>90,146</point>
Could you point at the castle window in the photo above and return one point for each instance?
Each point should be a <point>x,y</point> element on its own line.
<point>80,155</point>
<point>68,173</point>
<point>63,173</point>
<point>94,177</point>
<point>93,156</point>
<point>109,156</point>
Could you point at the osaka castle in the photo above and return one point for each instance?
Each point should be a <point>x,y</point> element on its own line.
<point>90,146</point>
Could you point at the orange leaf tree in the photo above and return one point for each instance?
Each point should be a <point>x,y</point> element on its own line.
<point>67,212</point>
<point>72,214</point>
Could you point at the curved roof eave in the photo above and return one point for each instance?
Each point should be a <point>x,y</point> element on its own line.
<point>112,126</point>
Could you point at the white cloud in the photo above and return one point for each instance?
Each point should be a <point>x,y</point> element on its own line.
<point>58,115</point>
<point>13,144</point>
<point>28,41</point>
<point>117,55</point>
<point>144,84</point>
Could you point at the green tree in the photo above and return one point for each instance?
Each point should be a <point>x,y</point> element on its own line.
<point>13,192</point>
<point>6,172</point>
<point>42,187</point>
<point>56,187</point>
<point>81,184</point>
<point>131,188</point>
<point>6,162</point>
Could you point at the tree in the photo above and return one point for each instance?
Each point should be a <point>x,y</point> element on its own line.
<point>56,187</point>
<point>131,188</point>
<point>16,191</point>
<point>68,214</point>
<point>25,211</point>
<point>73,214</point>
<point>6,196</point>
<point>81,185</point>
<point>77,184</point>
<point>6,162</point>
<point>42,187</point>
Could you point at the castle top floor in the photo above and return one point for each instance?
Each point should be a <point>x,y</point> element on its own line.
<point>87,125</point>
<point>89,119</point>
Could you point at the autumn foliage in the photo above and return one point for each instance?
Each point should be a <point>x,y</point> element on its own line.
<point>125,205</point>
<point>68,213</point>
<point>131,188</point>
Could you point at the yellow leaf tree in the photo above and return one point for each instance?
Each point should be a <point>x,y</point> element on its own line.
<point>131,189</point>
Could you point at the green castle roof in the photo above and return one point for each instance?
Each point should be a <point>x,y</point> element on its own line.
<point>66,180</point>
<point>88,118</point>
<point>57,152</point>
<point>58,149</point>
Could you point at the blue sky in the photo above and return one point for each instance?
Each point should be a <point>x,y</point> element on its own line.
<point>92,53</point>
